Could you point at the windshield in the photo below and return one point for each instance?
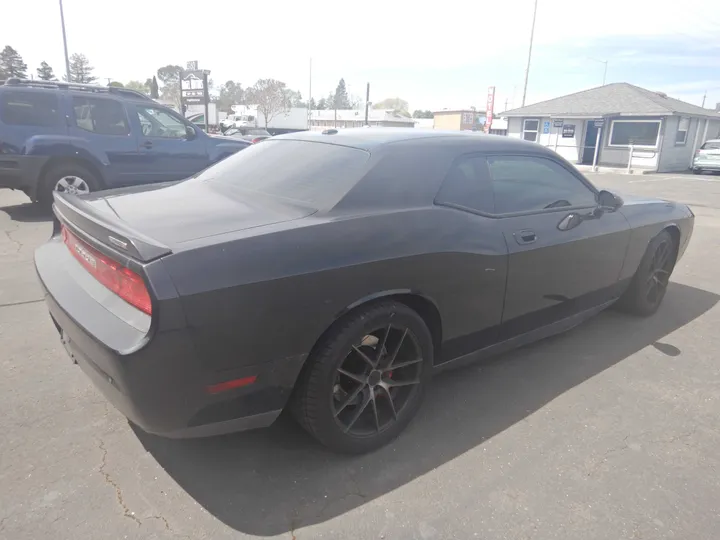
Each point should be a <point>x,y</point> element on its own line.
<point>711,145</point>
<point>312,174</point>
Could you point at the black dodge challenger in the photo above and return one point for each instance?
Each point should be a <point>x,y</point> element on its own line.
<point>332,273</point>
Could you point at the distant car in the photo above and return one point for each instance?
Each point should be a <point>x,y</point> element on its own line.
<point>332,273</point>
<point>238,120</point>
<point>82,138</point>
<point>707,158</point>
<point>253,135</point>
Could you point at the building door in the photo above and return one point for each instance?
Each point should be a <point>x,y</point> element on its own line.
<point>590,140</point>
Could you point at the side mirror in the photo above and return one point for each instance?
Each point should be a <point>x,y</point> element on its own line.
<point>609,201</point>
<point>190,133</point>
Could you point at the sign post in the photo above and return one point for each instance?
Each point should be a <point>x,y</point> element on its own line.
<point>557,124</point>
<point>598,124</point>
<point>490,105</point>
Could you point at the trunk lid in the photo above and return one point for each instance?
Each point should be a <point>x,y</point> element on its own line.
<point>150,221</point>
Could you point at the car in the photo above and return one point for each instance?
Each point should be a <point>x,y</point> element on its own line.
<point>238,120</point>
<point>707,158</point>
<point>82,138</point>
<point>254,135</point>
<point>331,274</point>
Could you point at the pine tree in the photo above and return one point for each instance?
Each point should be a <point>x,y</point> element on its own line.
<point>45,72</point>
<point>80,69</point>
<point>11,64</point>
<point>341,96</point>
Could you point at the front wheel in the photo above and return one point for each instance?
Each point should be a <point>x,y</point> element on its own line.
<point>649,284</point>
<point>365,381</point>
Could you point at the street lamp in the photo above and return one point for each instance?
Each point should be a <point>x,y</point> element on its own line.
<point>527,69</point>
<point>67,60</point>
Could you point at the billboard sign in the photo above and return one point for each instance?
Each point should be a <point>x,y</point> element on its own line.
<point>489,108</point>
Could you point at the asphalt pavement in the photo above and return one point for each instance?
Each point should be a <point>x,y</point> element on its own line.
<point>611,431</point>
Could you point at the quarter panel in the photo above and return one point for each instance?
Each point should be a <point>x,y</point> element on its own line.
<point>271,296</point>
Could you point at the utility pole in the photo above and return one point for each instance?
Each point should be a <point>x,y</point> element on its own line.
<point>367,103</point>
<point>605,70</point>
<point>704,96</point>
<point>527,69</point>
<point>506,102</point>
<point>309,119</point>
<point>67,59</point>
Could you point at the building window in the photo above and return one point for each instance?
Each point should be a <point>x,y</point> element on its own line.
<point>530,129</point>
<point>682,131</point>
<point>639,133</point>
<point>467,118</point>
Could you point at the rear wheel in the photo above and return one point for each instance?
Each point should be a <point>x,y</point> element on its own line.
<point>365,381</point>
<point>66,178</point>
<point>697,171</point>
<point>651,279</point>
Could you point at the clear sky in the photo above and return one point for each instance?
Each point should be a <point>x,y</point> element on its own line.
<point>432,54</point>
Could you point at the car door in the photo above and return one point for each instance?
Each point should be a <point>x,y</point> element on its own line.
<point>169,148</point>
<point>100,131</point>
<point>565,253</point>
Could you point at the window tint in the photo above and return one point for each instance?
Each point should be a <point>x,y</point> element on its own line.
<point>711,145</point>
<point>101,116</point>
<point>468,184</point>
<point>29,109</point>
<point>524,183</point>
<point>625,133</point>
<point>156,122</point>
<point>314,174</point>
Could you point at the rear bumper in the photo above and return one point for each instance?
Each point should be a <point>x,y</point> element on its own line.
<point>706,164</point>
<point>156,378</point>
<point>21,172</point>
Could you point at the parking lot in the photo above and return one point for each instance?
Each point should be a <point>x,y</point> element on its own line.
<point>611,431</point>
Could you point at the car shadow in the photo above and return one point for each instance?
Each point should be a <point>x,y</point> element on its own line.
<point>272,481</point>
<point>27,212</point>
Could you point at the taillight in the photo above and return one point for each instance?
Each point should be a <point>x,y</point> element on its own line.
<point>256,140</point>
<point>120,280</point>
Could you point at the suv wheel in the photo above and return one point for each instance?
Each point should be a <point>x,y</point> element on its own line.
<point>68,178</point>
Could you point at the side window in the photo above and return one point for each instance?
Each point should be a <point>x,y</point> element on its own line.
<point>156,122</point>
<point>468,184</point>
<point>101,116</point>
<point>526,183</point>
<point>38,109</point>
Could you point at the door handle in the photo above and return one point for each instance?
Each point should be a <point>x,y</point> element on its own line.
<point>147,144</point>
<point>525,236</point>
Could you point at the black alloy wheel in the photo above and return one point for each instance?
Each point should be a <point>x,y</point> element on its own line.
<point>365,379</point>
<point>375,380</point>
<point>659,272</point>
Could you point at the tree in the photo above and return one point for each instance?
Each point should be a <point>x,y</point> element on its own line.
<point>116,84</point>
<point>45,72</point>
<point>154,90</point>
<point>341,96</point>
<point>138,86</point>
<point>312,105</point>
<point>398,105</point>
<point>322,104</point>
<point>80,69</point>
<point>11,64</point>
<point>231,93</point>
<point>170,77</point>
<point>423,114</point>
<point>295,98</point>
<point>270,96</point>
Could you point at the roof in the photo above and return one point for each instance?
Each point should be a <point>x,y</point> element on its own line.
<point>121,92</point>
<point>612,99</point>
<point>369,138</point>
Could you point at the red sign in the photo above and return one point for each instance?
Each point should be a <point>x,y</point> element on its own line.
<point>489,108</point>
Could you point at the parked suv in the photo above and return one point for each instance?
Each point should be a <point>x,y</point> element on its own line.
<point>83,138</point>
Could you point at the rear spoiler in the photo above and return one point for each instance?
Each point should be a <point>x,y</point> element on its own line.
<point>80,215</point>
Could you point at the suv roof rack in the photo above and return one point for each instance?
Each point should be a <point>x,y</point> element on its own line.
<point>57,85</point>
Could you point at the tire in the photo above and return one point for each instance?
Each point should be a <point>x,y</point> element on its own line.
<point>697,171</point>
<point>639,298</point>
<point>361,410</point>
<point>59,177</point>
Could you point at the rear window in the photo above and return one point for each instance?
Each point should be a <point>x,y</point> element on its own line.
<point>711,145</point>
<point>19,108</point>
<point>312,174</point>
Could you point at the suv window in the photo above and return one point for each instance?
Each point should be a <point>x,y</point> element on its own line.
<point>156,122</point>
<point>711,145</point>
<point>101,116</point>
<point>526,183</point>
<point>313,174</point>
<point>468,184</point>
<point>19,108</point>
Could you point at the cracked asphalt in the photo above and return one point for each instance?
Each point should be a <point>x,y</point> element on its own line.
<point>611,431</point>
